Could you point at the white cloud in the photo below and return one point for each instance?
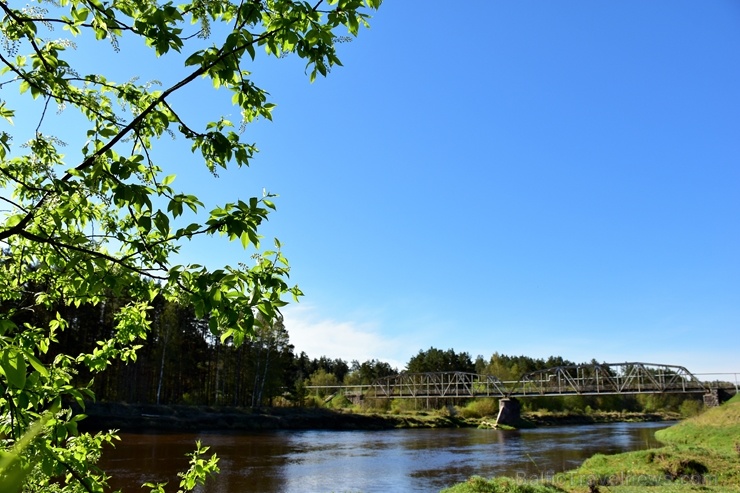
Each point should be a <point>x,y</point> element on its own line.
<point>349,339</point>
<point>365,337</point>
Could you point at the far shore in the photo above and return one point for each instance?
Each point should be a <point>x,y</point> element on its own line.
<point>152,418</point>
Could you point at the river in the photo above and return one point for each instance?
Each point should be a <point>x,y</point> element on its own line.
<point>410,460</point>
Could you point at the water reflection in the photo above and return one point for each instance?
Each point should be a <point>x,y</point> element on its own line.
<point>350,461</point>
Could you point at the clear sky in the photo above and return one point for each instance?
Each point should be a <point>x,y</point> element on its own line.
<point>524,177</point>
<point>527,177</point>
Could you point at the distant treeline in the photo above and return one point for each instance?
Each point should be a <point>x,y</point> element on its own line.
<point>182,362</point>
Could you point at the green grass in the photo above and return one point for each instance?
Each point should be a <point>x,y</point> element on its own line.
<point>702,454</point>
<point>717,429</point>
<point>477,484</point>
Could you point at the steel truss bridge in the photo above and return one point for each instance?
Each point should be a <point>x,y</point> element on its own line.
<point>589,379</point>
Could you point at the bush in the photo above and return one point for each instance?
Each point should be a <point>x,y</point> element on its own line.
<point>339,401</point>
<point>313,401</point>
<point>480,408</point>
<point>400,406</point>
<point>375,405</point>
<point>281,401</point>
<point>690,408</point>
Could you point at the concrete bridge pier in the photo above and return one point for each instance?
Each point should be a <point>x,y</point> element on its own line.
<point>509,412</point>
<point>711,398</point>
<point>715,397</point>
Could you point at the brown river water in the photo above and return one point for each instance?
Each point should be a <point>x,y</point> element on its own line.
<point>411,460</point>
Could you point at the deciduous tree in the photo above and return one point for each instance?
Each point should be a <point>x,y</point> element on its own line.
<point>103,222</point>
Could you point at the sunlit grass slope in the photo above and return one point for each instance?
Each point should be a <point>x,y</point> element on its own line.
<point>717,429</point>
<point>501,485</point>
<point>701,454</point>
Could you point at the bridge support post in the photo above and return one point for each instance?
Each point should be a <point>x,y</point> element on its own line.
<point>509,412</point>
<point>711,399</point>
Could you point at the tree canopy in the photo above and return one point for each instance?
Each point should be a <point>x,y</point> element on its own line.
<point>101,225</point>
<point>434,360</point>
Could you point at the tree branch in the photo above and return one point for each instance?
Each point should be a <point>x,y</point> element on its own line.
<point>40,239</point>
<point>135,122</point>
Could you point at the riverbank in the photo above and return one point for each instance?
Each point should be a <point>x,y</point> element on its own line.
<point>700,454</point>
<point>576,418</point>
<point>137,418</point>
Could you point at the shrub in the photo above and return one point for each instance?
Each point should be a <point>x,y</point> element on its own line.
<point>374,405</point>
<point>314,401</point>
<point>399,406</point>
<point>690,408</point>
<point>480,408</point>
<point>339,401</point>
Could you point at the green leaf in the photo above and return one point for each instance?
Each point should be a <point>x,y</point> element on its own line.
<point>228,333</point>
<point>6,113</point>
<point>194,59</point>
<point>14,367</point>
<point>6,325</point>
<point>13,220</point>
<point>37,365</point>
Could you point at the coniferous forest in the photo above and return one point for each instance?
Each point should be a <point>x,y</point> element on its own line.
<point>182,362</point>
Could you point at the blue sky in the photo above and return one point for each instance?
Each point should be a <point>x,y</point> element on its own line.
<point>524,177</point>
<point>538,178</point>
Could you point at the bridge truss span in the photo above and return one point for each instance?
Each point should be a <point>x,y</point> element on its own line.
<point>587,379</point>
<point>607,378</point>
<point>438,385</point>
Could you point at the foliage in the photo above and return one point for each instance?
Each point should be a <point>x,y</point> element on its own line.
<point>403,406</point>
<point>339,401</point>
<point>656,402</point>
<point>689,408</point>
<point>313,401</point>
<point>322,378</point>
<point>368,372</point>
<point>513,367</point>
<point>700,455</point>
<point>476,484</point>
<point>434,360</point>
<point>100,227</point>
<point>480,408</point>
<point>200,469</point>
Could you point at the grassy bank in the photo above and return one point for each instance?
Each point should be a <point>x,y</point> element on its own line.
<point>562,418</point>
<point>151,418</point>
<point>701,454</point>
<point>133,417</point>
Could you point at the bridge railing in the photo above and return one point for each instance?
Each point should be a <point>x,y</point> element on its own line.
<point>611,378</point>
<point>438,385</point>
<point>727,381</point>
<point>593,379</point>
<point>329,391</point>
